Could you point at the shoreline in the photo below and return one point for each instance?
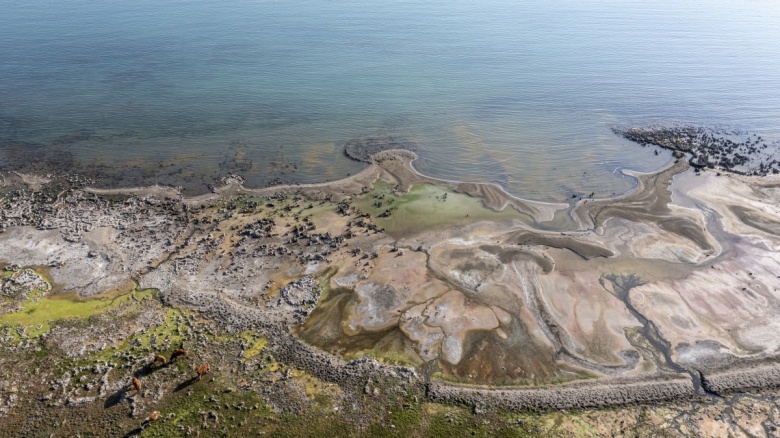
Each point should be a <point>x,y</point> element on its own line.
<point>501,198</point>
<point>395,166</point>
<point>234,186</point>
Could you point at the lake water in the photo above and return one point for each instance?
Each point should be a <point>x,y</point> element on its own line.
<point>519,93</point>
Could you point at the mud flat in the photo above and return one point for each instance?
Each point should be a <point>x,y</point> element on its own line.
<point>453,292</point>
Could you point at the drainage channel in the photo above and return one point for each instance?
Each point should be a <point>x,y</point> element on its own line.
<point>622,285</point>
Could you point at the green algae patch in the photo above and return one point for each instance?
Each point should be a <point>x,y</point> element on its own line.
<point>255,347</point>
<point>38,314</point>
<point>316,389</point>
<point>427,207</point>
<point>169,331</point>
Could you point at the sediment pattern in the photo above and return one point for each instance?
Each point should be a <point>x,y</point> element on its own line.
<point>409,269</point>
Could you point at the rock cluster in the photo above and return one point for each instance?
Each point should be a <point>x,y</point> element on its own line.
<point>580,395</point>
<point>22,283</point>
<point>259,229</point>
<point>76,212</point>
<point>732,151</point>
<point>763,376</point>
<point>332,369</point>
<point>363,149</point>
<point>303,294</point>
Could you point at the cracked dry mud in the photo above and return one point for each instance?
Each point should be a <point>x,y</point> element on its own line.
<point>392,299</point>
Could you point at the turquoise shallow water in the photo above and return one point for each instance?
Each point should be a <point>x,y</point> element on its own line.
<point>518,93</point>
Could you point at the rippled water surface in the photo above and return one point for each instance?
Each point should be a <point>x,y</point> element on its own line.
<point>518,93</point>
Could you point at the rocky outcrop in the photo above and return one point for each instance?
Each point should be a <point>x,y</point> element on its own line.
<point>579,395</point>
<point>732,151</point>
<point>362,149</point>
<point>739,379</point>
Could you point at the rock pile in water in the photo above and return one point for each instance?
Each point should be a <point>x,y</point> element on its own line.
<point>362,149</point>
<point>731,151</point>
